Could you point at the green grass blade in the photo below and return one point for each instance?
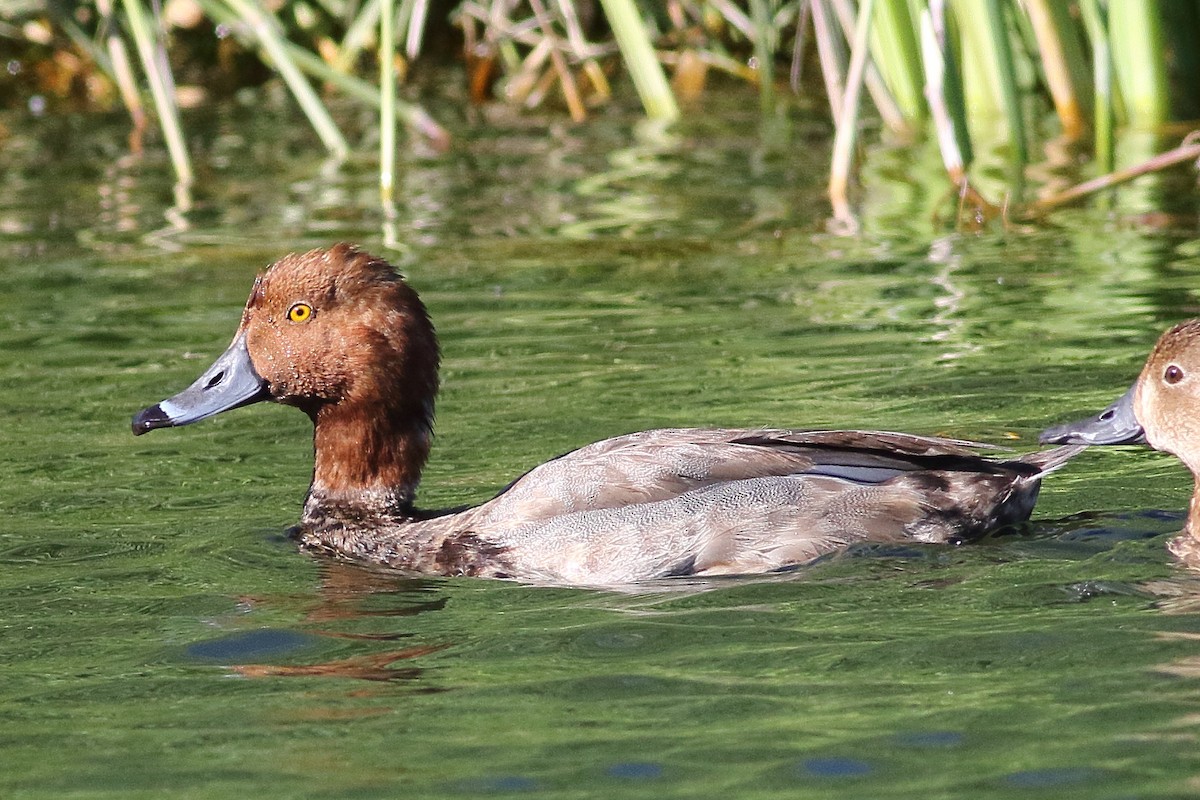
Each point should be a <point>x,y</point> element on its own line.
<point>847,130</point>
<point>387,104</point>
<point>945,100</point>
<point>1007,74</point>
<point>1136,37</point>
<point>989,79</point>
<point>1063,63</point>
<point>764,53</point>
<point>1103,88</point>
<point>897,55</point>
<point>266,30</point>
<point>410,114</point>
<point>885,103</point>
<point>358,36</point>
<point>164,101</point>
<point>1181,21</point>
<point>831,51</point>
<point>634,41</point>
<point>981,83</point>
<point>415,29</point>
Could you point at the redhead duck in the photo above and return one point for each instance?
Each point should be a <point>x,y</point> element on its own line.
<point>1161,409</point>
<point>338,334</point>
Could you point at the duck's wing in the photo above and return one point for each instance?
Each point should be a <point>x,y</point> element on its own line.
<point>660,464</point>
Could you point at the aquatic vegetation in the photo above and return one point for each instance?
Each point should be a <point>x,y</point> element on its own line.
<point>979,75</point>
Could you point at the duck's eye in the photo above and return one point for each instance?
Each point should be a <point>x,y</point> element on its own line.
<point>300,312</point>
<point>1173,374</point>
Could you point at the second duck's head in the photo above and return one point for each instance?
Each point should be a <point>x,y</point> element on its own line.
<point>1162,408</point>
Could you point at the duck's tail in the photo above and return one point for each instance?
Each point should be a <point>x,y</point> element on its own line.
<point>1046,461</point>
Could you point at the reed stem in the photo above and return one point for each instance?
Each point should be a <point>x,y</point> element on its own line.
<point>896,53</point>
<point>1006,79</point>
<point>889,110</point>
<point>847,130</point>
<point>1102,82</point>
<point>164,100</point>
<point>415,29</point>
<point>764,53</point>
<point>1063,63</point>
<point>1136,37</point>
<point>1187,151</point>
<point>945,103</point>
<point>358,35</point>
<point>831,51</point>
<point>634,42</point>
<point>410,114</point>
<point>387,105</point>
<point>269,37</point>
<point>565,79</point>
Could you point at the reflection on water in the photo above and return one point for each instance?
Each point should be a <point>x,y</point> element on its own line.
<point>586,282</point>
<point>349,591</point>
<point>375,667</point>
<point>349,597</point>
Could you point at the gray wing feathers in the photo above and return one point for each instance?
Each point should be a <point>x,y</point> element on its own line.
<point>659,464</point>
<point>752,525</point>
<point>678,501</point>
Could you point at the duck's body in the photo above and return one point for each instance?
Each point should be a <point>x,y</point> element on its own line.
<point>1161,409</point>
<point>340,335</point>
<point>687,501</point>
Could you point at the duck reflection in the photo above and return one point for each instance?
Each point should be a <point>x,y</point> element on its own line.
<point>348,597</point>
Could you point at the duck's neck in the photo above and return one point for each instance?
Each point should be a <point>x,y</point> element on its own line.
<point>1192,527</point>
<point>367,461</point>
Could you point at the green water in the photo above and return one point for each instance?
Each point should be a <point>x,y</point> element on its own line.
<point>158,635</point>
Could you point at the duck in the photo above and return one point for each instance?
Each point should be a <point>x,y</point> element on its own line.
<point>342,336</point>
<point>1161,409</point>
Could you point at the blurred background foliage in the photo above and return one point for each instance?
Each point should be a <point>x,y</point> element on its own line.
<point>976,74</point>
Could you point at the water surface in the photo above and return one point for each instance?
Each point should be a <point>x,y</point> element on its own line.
<point>160,634</point>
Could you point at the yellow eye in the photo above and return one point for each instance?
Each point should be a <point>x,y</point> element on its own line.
<point>300,312</point>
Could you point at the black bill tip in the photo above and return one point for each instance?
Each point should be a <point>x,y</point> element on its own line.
<point>231,382</point>
<point>150,418</point>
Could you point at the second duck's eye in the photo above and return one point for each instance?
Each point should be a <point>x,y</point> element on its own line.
<point>1173,374</point>
<point>300,312</point>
